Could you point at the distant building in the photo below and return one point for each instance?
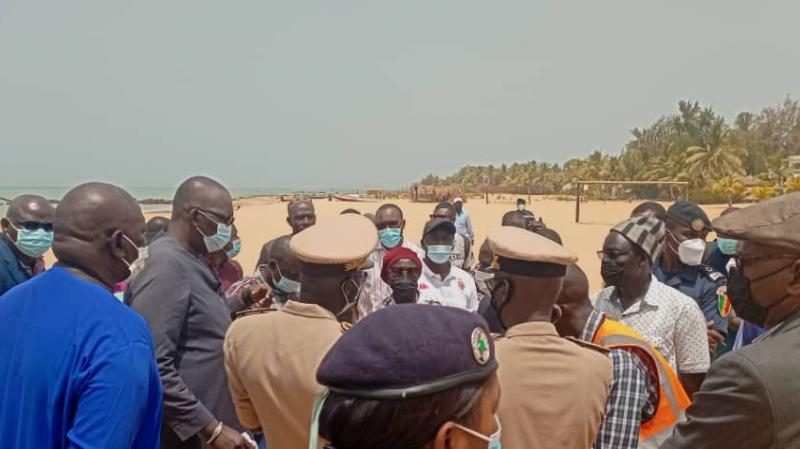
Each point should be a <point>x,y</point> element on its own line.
<point>794,164</point>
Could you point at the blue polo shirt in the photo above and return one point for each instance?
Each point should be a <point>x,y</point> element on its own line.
<point>11,272</point>
<point>77,368</point>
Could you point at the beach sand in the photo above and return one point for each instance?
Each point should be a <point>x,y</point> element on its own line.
<point>261,219</point>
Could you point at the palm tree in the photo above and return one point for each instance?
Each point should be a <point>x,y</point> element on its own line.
<point>729,187</point>
<point>716,158</point>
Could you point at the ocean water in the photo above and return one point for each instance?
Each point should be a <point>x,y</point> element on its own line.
<point>142,193</point>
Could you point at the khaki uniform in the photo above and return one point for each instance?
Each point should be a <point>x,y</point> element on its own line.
<point>271,360</point>
<point>554,390</point>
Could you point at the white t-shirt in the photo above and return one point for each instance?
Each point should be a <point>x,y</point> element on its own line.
<point>456,290</point>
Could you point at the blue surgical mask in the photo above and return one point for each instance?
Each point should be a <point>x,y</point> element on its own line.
<point>219,240</point>
<point>236,246</point>
<point>439,254</point>
<point>727,246</point>
<point>390,237</point>
<point>288,286</point>
<point>33,242</point>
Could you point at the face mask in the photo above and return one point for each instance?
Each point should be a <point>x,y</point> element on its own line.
<point>493,440</point>
<point>521,207</point>
<point>219,240</point>
<point>404,291</point>
<point>288,286</point>
<point>236,246</point>
<point>137,265</point>
<point>32,243</point>
<point>741,299</point>
<point>690,251</point>
<point>390,237</point>
<point>727,246</point>
<point>480,280</point>
<point>439,254</point>
<point>613,274</point>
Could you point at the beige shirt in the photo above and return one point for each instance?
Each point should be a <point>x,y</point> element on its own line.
<point>554,391</point>
<point>271,360</point>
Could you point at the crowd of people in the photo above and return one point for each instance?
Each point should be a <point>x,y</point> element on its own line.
<point>346,335</point>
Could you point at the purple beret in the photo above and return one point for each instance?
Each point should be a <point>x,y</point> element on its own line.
<point>409,350</point>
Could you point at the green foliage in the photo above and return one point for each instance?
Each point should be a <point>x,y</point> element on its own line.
<point>695,144</point>
<point>730,188</point>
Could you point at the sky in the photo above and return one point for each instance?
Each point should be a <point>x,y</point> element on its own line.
<point>343,94</point>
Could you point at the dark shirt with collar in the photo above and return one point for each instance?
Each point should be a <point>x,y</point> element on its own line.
<point>12,271</point>
<point>716,259</point>
<point>703,284</point>
<point>177,293</point>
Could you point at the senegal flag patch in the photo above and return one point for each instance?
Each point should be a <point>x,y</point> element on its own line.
<point>723,303</point>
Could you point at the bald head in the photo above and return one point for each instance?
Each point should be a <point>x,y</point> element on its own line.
<point>98,228</point>
<point>516,219</point>
<point>574,302</point>
<point>575,289</point>
<point>281,255</point>
<point>155,227</point>
<point>201,192</point>
<point>30,208</point>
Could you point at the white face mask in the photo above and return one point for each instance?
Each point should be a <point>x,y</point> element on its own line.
<point>137,265</point>
<point>691,251</point>
<point>493,440</point>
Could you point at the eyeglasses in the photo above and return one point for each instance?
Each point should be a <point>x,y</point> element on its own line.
<point>216,218</point>
<point>34,225</point>
<point>611,254</point>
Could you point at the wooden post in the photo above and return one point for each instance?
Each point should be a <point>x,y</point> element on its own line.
<point>487,195</point>
<point>529,195</point>
<point>578,204</point>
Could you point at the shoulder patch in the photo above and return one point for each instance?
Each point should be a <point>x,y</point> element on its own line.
<point>724,305</point>
<point>588,345</point>
<point>254,311</point>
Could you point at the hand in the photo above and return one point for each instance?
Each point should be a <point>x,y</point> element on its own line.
<point>258,292</point>
<point>715,338</point>
<point>230,439</point>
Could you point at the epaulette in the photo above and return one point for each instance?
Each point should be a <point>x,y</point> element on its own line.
<point>254,311</point>
<point>345,326</point>
<point>711,273</point>
<point>588,345</point>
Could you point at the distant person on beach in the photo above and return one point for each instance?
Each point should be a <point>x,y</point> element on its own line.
<point>271,357</point>
<point>442,283</point>
<point>178,294</point>
<point>463,221</point>
<point>156,227</point>
<point>27,235</point>
<point>650,209</point>
<point>391,226</point>
<point>300,215</point>
<point>77,367</point>
<point>462,244</point>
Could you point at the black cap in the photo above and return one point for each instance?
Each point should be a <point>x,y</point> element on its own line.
<point>409,350</point>
<point>690,215</point>
<point>437,223</point>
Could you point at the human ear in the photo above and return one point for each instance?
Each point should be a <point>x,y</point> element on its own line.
<point>445,438</point>
<point>555,314</point>
<point>794,286</point>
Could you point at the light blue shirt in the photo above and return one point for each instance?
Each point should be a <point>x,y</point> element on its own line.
<point>464,224</point>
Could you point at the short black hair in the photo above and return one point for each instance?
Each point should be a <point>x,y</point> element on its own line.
<point>514,218</point>
<point>350,211</point>
<point>388,206</point>
<point>550,234</point>
<point>444,205</point>
<point>650,206</point>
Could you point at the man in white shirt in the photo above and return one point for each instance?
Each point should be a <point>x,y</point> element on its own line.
<point>461,256</point>
<point>668,319</point>
<point>442,283</point>
<point>391,224</point>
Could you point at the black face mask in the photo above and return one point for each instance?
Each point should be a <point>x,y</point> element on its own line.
<point>613,274</point>
<point>404,291</point>
<point>741,298</point>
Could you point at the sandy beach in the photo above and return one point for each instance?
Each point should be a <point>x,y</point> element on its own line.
<point>263,218</point>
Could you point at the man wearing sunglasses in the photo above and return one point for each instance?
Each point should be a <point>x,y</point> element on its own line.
<point>27,235</point>
<point>177,293</point>
<point>749,398</point>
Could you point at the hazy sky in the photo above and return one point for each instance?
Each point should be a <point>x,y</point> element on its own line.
<point>336,94</point>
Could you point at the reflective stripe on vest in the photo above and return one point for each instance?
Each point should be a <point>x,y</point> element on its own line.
<point>672,401</point>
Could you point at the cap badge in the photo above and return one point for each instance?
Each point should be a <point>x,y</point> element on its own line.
<point>698,224</point>
<point>480,346</point>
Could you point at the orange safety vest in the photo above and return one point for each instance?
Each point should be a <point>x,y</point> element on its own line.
<point>672,398</point>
